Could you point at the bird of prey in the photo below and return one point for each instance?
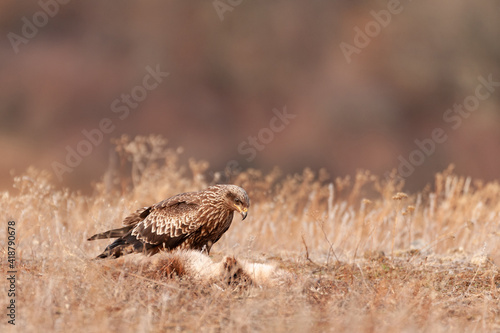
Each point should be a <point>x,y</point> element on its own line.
<point>192,220</point>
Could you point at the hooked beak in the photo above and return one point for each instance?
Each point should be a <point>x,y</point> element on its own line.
<point>243,212</point>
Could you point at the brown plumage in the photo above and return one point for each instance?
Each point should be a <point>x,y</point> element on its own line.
<point>193,220</point>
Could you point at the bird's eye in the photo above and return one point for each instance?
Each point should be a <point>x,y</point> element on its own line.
<point>237,201</point>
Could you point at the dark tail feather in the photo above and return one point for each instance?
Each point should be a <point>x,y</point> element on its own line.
<point>114,233</point>
<point>114,250</point>
<point>122,246</point>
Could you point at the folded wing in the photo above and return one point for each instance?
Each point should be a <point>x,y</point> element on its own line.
<point>169,222</point>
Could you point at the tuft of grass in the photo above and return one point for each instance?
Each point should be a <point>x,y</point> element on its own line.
<point>358,254</point>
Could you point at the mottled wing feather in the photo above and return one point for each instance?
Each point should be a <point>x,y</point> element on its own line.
<point>170,221</point>
<point>137,216</point>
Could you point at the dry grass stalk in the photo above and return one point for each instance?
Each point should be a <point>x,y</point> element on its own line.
<point>442,274</point>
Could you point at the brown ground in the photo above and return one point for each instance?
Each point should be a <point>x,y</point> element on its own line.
<point>359,256</point>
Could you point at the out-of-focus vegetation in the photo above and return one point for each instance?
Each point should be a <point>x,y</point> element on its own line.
<point>227,76</point>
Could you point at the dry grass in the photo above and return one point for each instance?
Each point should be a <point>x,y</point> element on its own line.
<point>360,256</point>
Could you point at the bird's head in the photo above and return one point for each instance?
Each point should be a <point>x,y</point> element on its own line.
<point>237,199</point>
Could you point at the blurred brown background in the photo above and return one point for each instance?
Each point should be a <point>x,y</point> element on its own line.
<point>230,63</point>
